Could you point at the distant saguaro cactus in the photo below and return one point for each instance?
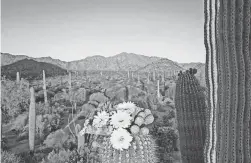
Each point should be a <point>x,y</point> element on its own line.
<point>69,81</point>
<point>32,120</point>
<point>191,115</point>
<point>158,93</point>
<point>154,76</point>
<point>44,88</point>
<point>18,77</point>
<point>148,78</point>
<point>163,76</point>
<point>128,74</point>
<point>228,79</point>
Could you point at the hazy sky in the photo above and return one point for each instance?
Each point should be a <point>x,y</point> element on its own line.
<point>74,29</point>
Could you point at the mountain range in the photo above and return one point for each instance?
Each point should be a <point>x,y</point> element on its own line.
<point>120,62</point>
<point>30,69</point>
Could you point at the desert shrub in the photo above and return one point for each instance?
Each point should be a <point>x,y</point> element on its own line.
<point>41,108</point>
<point>167,121</point>
<point>166,139</point>
<point>14,99</point>
<point>4,145</point>
<point>56,139</point>
<point>99,97</point>
<point>7,157</point>
<point>47,123</point>
<point>20,122</point>
<point>62,156</point>
<point>40,95</point>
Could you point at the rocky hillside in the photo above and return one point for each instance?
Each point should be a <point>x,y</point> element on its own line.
<point>162,65</point>
<point>123,61</point>
<point>31,69</point>
<point>7,59</point>
<point>120,62</point>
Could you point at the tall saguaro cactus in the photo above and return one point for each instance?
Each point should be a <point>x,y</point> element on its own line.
<point>32,120</point>
<point>190,105</point>
<point>228,79</point>
<point>44,88</point>
<point>18,77</point>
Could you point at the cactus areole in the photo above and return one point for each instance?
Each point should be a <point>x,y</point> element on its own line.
<point>228,78</point>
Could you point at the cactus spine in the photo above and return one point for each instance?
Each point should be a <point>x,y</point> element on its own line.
<point>18,77</point>
<point>32,120</point>
<point>228,78</point>
<point>191,114</point>
<point>143,150</point>
<point>44,88</point>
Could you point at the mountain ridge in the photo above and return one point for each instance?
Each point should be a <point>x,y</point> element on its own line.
<point>120,62</point>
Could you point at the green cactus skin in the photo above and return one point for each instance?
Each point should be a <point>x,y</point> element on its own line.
<point>228,78</point>
<point>142,150</point>
<point>32,120</point>
<point>44,88</point>
<point>191,115</point>
<point>18,77</point>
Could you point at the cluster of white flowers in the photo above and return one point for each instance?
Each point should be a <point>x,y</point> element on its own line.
<point>116,124</point>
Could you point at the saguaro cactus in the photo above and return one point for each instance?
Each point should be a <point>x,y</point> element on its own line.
<point>228,79</point>
<point>69,80</point>
<point>191,115</point>
<point>44,88</point>
<point>148,78</point>
<point>32,120</point>
<point>158,93</point>
<point>163,77</point>
<point>18,77</point>
<point>154,76</point>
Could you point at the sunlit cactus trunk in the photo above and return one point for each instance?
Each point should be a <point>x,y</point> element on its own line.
<point>18,77</point>
<point>32,120</point>
<point>44,88</point>
<point>190,105</point>
<point>228,79</point>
